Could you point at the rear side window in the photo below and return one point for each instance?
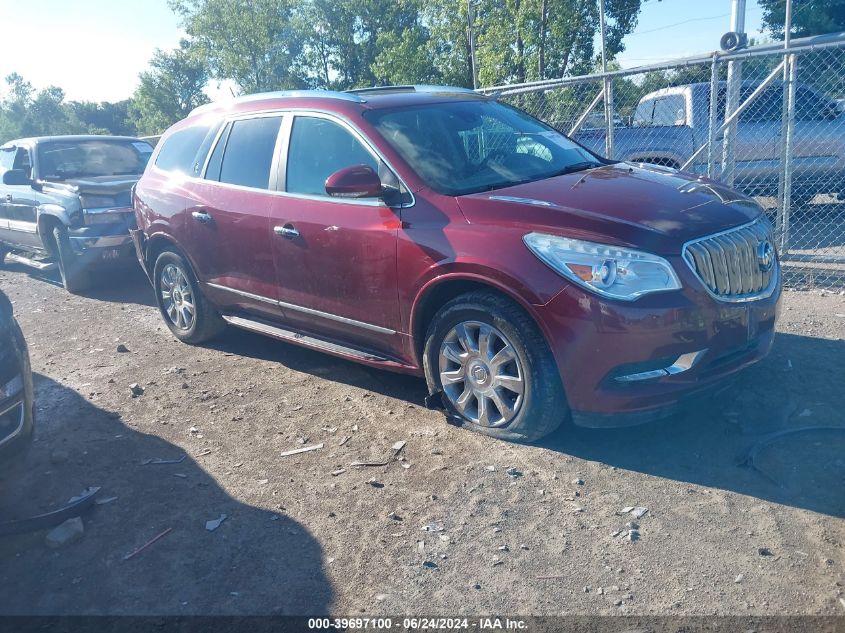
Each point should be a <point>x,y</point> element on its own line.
<point>179,151</point>
<point>318,148</point>
<point>248,155</point>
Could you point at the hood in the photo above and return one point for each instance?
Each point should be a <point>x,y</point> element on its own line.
<point>96,185</point>
<point>649,208</point>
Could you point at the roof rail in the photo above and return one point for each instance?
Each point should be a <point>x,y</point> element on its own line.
<point>279,94</point>
<point>411,88</point>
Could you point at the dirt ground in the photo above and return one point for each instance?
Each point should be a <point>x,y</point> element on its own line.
<point>460,524</point>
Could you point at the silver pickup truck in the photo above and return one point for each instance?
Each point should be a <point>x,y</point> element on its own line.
<point>670,124</point>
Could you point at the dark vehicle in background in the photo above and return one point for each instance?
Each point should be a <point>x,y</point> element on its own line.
<point>65,200</point>
<point>17,408</point>
<point>438,232</point>
<point>669,125</point>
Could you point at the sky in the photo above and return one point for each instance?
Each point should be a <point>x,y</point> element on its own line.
<point>94,49</point>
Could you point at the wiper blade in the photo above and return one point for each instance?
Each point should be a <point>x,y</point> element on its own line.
<point>583,165</point>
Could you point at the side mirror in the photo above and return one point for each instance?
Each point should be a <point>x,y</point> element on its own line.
<point>358,181</point>
<point>16,177</point>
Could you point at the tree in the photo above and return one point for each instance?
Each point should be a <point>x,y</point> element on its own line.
<point>809,17</point>
<point>25,112</point>
<point>252,42</point>
<point>170,89</point>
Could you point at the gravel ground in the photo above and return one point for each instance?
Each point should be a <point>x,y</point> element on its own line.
<point>457,524</point>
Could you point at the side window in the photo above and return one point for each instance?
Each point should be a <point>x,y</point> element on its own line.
<point>318,148</point>
<point>810,106</point>
<point>23,161</point>
<point>180,149</point>
<point>248,153</point>
<point>7,158</point>
<point>644,114</point>
<point>669,111</point>
<point>212,172</point>
<point>765,108</point>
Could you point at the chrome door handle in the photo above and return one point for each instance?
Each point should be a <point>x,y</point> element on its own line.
<point>286,231</point>
<point>201,216</point>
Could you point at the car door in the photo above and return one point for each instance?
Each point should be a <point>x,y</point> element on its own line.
<point>756,153</point>
<point>228,217</point>
<point>22,205</point>
<point>335,258</point>
<point>816,144</point>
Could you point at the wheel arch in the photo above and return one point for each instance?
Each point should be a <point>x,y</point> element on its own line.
<point>46,223</point>
<point>439,291</point>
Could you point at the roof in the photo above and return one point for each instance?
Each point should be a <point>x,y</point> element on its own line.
<point>375,97</point>
<point>34,140</point>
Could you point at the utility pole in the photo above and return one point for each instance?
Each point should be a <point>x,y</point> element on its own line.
<point>471,39</point>
<point>732,96</point>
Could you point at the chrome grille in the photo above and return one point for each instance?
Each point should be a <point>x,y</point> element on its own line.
<point>727,263</point>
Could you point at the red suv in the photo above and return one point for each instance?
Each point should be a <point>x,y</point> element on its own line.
<point>438,232</point>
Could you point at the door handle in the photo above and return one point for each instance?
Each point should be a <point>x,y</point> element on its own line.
<point>201,216</point>
<point>8,197</point>
<point>286,231</point>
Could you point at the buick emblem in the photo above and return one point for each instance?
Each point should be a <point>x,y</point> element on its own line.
<point>765,256</point>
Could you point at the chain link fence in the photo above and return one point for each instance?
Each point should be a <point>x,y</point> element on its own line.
<point>765,120</point>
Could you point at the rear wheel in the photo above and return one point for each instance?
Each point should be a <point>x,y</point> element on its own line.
<point>496,372</point>
<point>74,276</point>
<point>185,310</point>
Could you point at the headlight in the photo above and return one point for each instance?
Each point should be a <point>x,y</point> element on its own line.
<point>610,271</point>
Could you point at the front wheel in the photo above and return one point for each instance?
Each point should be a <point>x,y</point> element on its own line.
<point>185,310</point>
<point>494,368</point>
<point>72,270</point>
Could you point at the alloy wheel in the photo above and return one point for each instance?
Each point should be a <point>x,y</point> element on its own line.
<point>481,374</point>
<point>177,297</point>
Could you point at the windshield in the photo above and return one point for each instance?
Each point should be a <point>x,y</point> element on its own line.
<point>60,160</point>
<point>469,146</point>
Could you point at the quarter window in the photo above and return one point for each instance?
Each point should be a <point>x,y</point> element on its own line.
<point>318,148</point>
<point>180,149</point>
<point>248,154</point>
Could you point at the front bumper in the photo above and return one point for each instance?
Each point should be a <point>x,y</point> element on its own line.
<point>628,363</point>
<point>102,242</point>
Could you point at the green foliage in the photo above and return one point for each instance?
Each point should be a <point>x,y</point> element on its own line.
<point>169,90</point>
<point>809,17</point>
<point>252,42</point>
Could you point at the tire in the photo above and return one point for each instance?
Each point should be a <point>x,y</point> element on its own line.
<point>74,276</point>
<point>541,407</point>
<point>177,292</point>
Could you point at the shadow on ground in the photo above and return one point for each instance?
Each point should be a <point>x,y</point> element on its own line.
<point>256,562</point>
<point>709,443</point>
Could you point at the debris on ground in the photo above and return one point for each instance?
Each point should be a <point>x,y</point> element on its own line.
<point>738,578</point>
<point>764,551</point>
<point>157,537</point>
<point>513,472</point>
<point>638,512</point>
<point>136,390</point>
<point>375,483</point>
<point>74,508</point>
<point>750,460</point>
<point>215,523</point>
<point>429,564</point>
<point>159,460</point>
<point>122,349</point>
<point>68,532</point>
<point>396,448</point>
<point>337,472</point>
<point>304,449</point>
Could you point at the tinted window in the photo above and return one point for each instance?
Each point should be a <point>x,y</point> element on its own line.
<point>249,152</point>
<point>318,148</point>
<point>59,160</point>
<point>212,171</point>
<point>202,152</point>
<point>180,149</point>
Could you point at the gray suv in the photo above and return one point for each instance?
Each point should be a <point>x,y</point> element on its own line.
<point>66,201</point>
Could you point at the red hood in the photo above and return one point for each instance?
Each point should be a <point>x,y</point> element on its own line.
<point>649,208</point>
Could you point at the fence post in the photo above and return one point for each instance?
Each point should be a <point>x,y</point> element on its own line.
<point>608,87</point>
<point>787,132</point>
<point>714,112</point>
